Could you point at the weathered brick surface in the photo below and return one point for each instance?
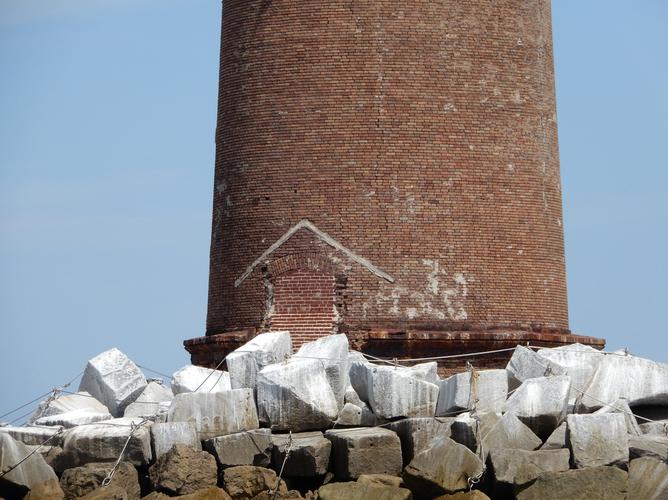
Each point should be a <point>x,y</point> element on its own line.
<point>421,137</point>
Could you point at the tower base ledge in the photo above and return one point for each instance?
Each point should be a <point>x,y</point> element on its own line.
<point>482,347</point>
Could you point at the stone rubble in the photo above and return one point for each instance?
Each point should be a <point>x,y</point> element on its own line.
<point>113,379</point>
<point>215,413</point>
<point>350,419</point>
<point>266,349</point>
<point>192,378</point>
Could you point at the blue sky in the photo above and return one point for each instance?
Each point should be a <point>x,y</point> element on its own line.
<point>107,118</point>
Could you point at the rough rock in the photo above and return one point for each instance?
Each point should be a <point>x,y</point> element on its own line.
<point>80,481</point>
<point>106,493</point>
<point>265,349</point>
<point>247,481</point>
<point>66,403</point>
<point>296,396</point>
<point>355,416</point>
<point>104,442</point>
<point>659,428</point>
<point>464,495</point>
<point>332,352</point>
<point>444,467</point>
<point>417,433</point>
<point>166,435</point>
<point>365,451</point>
<point>578,361</point>
<point>526,364</point>
<point>557,439</point>
<point>541,403</point>
<point>242,448</point>
<point>193,378</point>
<point>32,472</point>
<point>490,392</point>
<point>74,418</point>
<point>597,483</point>
<point>597,440</point>
<point>506,433</point>
<point>381,479</point>
<point>113,379</point>
<point>519,467</point>
<point>34,436</point>
<point>362,491</point>
<point>206,494</point>
<point>217,413</point>
<point>621,406</point>
<point>648,479</point>
<point>396,392</point>
<point>639,381</point>
<point>50,490</point>
<point>648,446</point>
<point>352,397</point>
<point>287,495</point>
<point>183,470</point>
<point>154,399</point>
<point>309,454</point>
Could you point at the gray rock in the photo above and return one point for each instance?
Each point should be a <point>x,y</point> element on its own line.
<point>597,483</point>
<point>648,479</point>
<point>296,396</point>
<point>365,451</point>
<point>356,416</point>
<point>578,361</point>
<point>489,394</point>
<point>154,399</point>
<point>464,430</point>
<point>309,454</point>
<point>396,392</point>
<point>659,428</point>
<point>216,413</point>
<point>352,397</point>
<point>648,446</point>
<point>74,418</point>
<point>519,467</point>
<point>541,403</point>
<point>31,472</point>
<point>193,378</point>
<point>243,448</point>
<point>416,434</point>
<point>444,467</point>
<point>639,381</point>
<point>247,481</point>
<point>557,439</point>
<point>597,440</point>
<point>427,372</point>
<point>66,403</point>
<point>165,435</point>
<point>80,481</point>
<point>33,435</point>
<point>362,491</point>
<point>526,364</point>
<point>360,375</point>
<point>183,470</point>
<point>103,442</point>
<point>621,406</point>
<point>113,379</point>
<point>265,349</point>
<point>506,432</point>
<point>332,352</point>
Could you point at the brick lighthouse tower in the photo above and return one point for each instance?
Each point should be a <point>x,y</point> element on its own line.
<point>388,170</point>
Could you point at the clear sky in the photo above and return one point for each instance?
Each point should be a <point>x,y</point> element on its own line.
<point>107,118</point>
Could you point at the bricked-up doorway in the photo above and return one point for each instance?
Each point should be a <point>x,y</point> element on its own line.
<point>304,305</point>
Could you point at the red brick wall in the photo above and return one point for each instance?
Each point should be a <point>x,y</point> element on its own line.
<point>420,136</point>
<point>304,305</point>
